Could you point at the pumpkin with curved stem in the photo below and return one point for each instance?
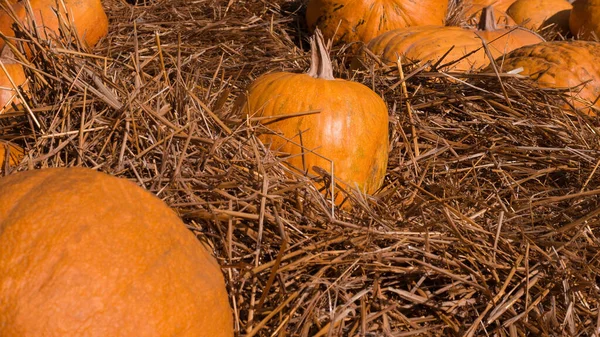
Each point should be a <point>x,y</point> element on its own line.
<point>350,129</point>
<point>12,76</point>
<point>87,17</point>
<point>88,254</point>
<point>462,46</point>
<point>584,20</point>
<point>561,64</point>
<point>347,21</point>
<point>535,14</point>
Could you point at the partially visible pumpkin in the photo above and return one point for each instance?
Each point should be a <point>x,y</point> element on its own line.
<point>347,21</point>
<point>560,64</point>
<point>536,14</point>
<point>87,17</point>
<point>88,254</point>
<point>12,77</point>
<point>350,129</point>
<point>501,5</point>
<point>431,43</point>
<point>10,153</point>
<point>584,20</point>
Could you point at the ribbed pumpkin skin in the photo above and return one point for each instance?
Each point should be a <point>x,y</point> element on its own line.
<point>88,17</point>
<point>430,43</point>
<point>560,64</point>
<point>534,14</point>
<point>87,254</point>
<point>362,20</point>
<point>8,94</point>
<point>503,41</point>
<point>351,130</point>
<point>585,19</point>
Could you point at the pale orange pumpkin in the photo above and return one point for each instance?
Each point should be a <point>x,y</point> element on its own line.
<point>462,46</point>
<point>87,17</point>
<point>535,14</point>
<point>88,254</point>
<point>12,78</point>
<point>350,129</point>
<point>561,64</point>
<point>347,21</point>
<point>584,20</point>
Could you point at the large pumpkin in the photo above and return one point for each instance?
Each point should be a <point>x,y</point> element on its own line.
<point>460,45</point>
<point>560,64</point>
<point>12,78</point>
<point>535,14</point>
<point>347,21</point>
<point>87,254</point>
<point>87,17</point>
<point>351,128</point>
<point>584,20</point>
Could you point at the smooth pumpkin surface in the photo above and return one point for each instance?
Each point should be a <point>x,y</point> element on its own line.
<point>501,5</point>
<point>560,64</point>
<point>88,18</point>
<point>10,76</point>
<point>351,129</point>
<point>584,20</point>
<point>535,14</point>
<point>347,21</point>
<point>88,254</point>
<point>431,43</point>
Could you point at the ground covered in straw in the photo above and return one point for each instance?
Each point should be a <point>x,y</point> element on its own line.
<point>486,225</point>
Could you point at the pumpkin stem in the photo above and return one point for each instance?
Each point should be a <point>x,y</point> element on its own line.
<point>320,63</point>
<point>487,20</point>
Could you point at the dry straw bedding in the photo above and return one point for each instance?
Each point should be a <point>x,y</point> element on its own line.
<point>486,224</point>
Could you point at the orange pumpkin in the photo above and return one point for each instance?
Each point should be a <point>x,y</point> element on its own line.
<point>87,16</point>
<point>535,14</point>
<point>431,43</point>
<point>351,128</point>
<point>560,64</point>
<point>584,20</point>
<point>347,21</point>
<point>87,254</point>
<point>12,76</point>
<point>501,5</point>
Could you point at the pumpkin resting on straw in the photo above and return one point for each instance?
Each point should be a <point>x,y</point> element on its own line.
<point>349,129</point>
<point>347,21</point>
<point>12,76</point>
<point>87,17</point>
<point>561,64</point>
<point>461,48</point>
<point>88,254</point>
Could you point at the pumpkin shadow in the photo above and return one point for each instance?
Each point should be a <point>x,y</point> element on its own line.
<point>297,27</point>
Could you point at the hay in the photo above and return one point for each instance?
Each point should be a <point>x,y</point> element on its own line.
<point>486,224</point>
